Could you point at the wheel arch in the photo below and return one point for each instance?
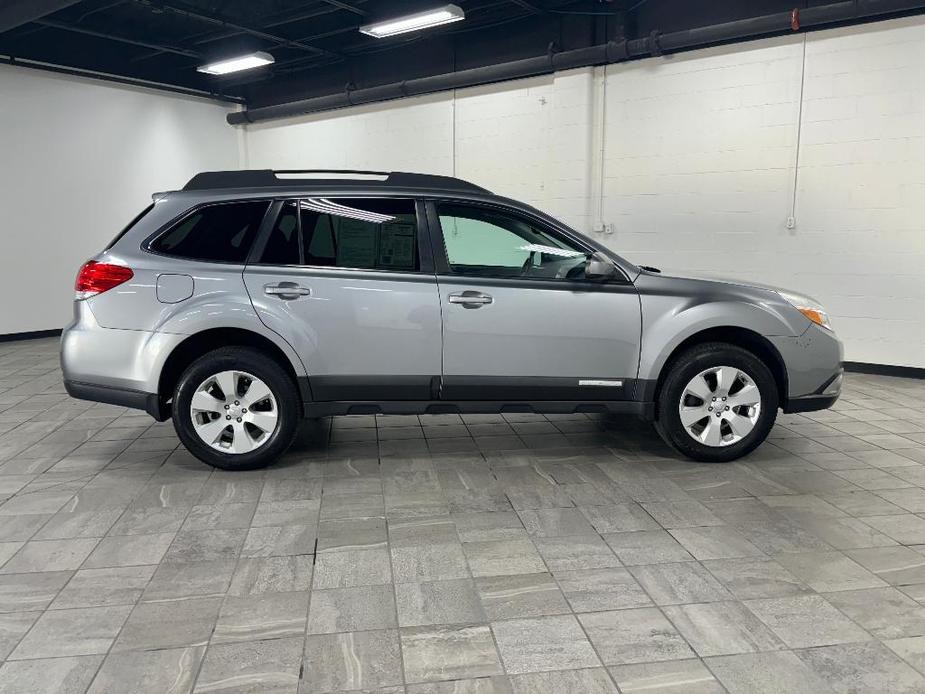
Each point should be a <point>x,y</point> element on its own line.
<point>738,336</point>
<point>205,341</point>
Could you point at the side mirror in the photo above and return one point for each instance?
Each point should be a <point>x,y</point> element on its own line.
<point>599,267</point>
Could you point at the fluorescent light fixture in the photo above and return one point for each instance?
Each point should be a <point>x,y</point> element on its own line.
<point>241,62</point>
<point>413,22</point>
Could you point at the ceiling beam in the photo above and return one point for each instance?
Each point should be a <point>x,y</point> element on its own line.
<point>250,31</point>
<point>15,13</point>
<point>119,39</point>
<point>346,6</point>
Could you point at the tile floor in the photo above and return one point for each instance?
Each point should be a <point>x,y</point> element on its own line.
<point>479,555</point>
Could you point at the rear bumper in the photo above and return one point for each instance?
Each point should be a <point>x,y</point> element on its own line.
<point>135,399</point>
<point>118,367</point>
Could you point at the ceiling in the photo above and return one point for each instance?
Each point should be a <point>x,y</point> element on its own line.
<point>317,47</point>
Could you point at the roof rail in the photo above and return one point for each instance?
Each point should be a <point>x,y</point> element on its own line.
<point>269,178</point>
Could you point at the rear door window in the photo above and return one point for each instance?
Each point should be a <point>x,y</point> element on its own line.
<point>356,233</point>
<point>217,233</point>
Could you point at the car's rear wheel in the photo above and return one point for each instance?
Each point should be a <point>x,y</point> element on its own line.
<point>717,403</point>
<point>236,409</point>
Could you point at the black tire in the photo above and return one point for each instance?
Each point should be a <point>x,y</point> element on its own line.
<point>253,362</point>
<point>684,368</point>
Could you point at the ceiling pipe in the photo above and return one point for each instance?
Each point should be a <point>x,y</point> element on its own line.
<point>656,43</point>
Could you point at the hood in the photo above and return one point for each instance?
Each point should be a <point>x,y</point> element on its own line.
<point>705,277</point>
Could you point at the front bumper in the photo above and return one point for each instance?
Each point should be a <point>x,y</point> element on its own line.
<point>823,399</point>
<point>814,369</point>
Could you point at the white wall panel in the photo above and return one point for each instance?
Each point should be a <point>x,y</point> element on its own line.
<point>78,159</point>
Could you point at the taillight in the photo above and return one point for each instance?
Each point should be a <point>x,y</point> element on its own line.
<point>95,278</point>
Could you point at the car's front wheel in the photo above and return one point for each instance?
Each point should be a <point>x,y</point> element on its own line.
<point>236,409</point>
<point>717,403</point>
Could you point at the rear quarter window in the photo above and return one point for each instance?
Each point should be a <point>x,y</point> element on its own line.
<point>218,233</point>
<point>141,215</point>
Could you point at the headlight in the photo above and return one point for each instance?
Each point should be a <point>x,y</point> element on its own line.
<point>809,308</point>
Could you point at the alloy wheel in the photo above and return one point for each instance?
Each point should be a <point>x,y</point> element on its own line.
<point>234,412</point>
<point>720,406</point>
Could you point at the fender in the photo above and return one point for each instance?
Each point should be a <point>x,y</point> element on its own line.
<point>674,310</point>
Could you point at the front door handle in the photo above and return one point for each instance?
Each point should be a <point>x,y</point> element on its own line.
<point>286,290</point>
<point>470,299</point>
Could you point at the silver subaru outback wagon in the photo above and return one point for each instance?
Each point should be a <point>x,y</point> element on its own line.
<point>251,299</point>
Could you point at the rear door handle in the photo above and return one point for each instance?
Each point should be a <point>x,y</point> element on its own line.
<point>470,299</point>
<point>286,290</point>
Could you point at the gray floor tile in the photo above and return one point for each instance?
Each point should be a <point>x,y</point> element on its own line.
<point>279,541</point>
<point>672,584</point>
<point>503,557</point>
<point>619,518</point>
<point>129,550</point>
<point>438,602</point>
<point>601,506</point>
<point>829,571</point>
<point>555,522</point>
<point>103,587</point>
<point>49,555</point>
<point>430,562</point>
<point>148,672</point>
<point>634,636</point>
<point>898,566</point>
<point>863,667</point>
<point>363,660</point>
<point>272,575</point>
<point>590,681</point>
<point>448,653</point>
<point>666,677</point>
<point>487,526</point>
<point>539,644</point>
<point>722,628</point>
<point>267,667</point>
<point>756,578</point>
<point>803,621</point>
<point>60,633</point>
<point>363,608</point>
<point>13,626</point>
<point>33,591</point>
<point>190,579</point>
<point>497,684</point>
<point>69,675</point>
<point>360,567</point>
<point>268,616</point>
<point>596,590</point>
<point>767,673</point>
<point>520,595</point>
<point>575,552</point>
<point>157,625</point>
<point>884,612</point>
<point>205,545</point>
<point>911,650</point>
<point>646,547</point>
<point>715,542</point>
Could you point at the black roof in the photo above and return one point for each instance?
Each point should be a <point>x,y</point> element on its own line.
<point>297,178</point>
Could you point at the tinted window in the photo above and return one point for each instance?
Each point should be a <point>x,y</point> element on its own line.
<point>222,232</point>
<point>488,242</point>
<point>283,245</point>
<point>141,215</point>
<point>359,233</point>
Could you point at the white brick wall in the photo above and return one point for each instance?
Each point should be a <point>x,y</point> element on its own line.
<point>698,164</point>
<point>861,195</point>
